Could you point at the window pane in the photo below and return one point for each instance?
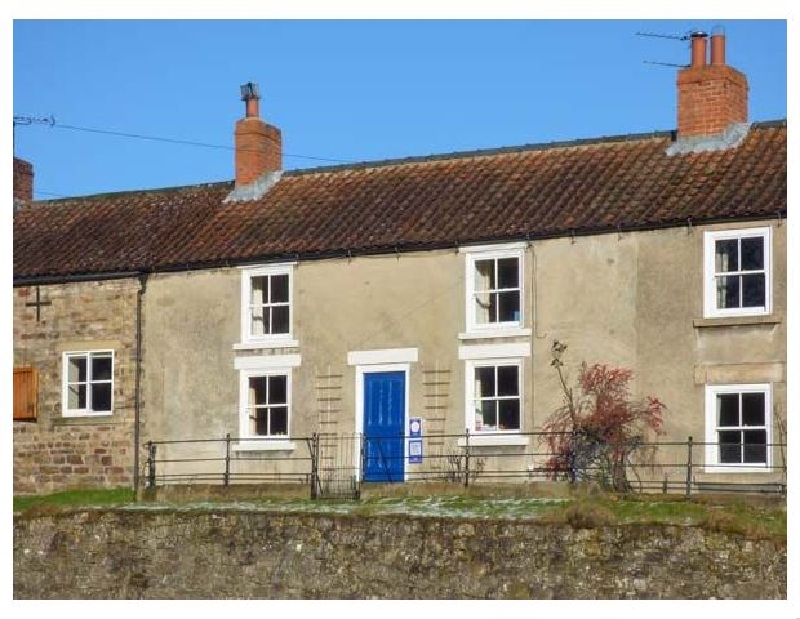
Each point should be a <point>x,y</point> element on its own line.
<point>280,289</point>
<point>753,409</point>
<point>484,382</point>
<point>258,390</point>
<point>754,290</point>
<point>280,319</point>
<point>101,397</point>
<point>730,450</point>
<point>76,369</point>
<point>258,287</point>
<point>728,410</point>
<point>277,390</point>
<point>753,253</point>
<point>488,414</point>
<point>508,306</point>
<point>279,421</point>
<point>76,397</point>
<point>260,323</point>
<point>101,367</point>
<point>728,291</point>
<point>261,416</point>
<point>508,414</point>
<point>485,307</point>
<point>508,380</point>
<point>755,446</point>
<point>508,273</point>
<point>484,275</point>
<point>727,255</point>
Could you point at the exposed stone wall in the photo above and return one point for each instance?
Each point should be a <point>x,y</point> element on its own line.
<point>238,554</point>
<point>55,452</point>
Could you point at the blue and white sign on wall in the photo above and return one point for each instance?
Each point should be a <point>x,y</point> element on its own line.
<point>415,441</point>
<point>415,451</point>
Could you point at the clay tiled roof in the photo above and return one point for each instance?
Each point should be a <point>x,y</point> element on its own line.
<point>580,187</point>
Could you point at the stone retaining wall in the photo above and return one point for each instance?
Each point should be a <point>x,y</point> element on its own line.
<point>165,554</point>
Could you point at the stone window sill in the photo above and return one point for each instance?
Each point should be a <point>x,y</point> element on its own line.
<point>732,321</point>
<point>88,420</point>
<point>266,344</point>
<point>738,470</point>
<point>494,440</point>
<point>265,445</point>
<point>499,333</point>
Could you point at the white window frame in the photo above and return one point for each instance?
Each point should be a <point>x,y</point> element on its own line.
<point>249,340</point>
<point>253,442</point>
<point>712,463</point>
<point>473,327</point>
<point>84,412</point>
<point>469,395</point>
<point>710,309</point>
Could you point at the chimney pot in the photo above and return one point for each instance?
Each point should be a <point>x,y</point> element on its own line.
<point>250,97</point>
<point>712,97</point>
<point>699,48</point>
<point>718,49</point>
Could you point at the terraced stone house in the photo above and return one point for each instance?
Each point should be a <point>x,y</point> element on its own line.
<point>409,297</point>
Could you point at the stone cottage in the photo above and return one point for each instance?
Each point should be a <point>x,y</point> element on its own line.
<point>406,297</point>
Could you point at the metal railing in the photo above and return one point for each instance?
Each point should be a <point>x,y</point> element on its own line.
<point>335,465</point>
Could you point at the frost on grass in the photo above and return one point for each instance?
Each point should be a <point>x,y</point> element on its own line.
<point>447,506</point>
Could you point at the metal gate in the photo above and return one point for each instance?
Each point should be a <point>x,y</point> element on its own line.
<point>336,461</point>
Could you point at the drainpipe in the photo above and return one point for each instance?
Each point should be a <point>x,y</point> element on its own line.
<point>137,384</point>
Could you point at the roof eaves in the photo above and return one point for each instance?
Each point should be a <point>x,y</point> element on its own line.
<point>401,247</point>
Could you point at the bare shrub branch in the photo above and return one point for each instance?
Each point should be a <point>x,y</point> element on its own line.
<point>598,433</point>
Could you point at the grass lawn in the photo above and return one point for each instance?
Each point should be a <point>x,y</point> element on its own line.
<point>75,498</point>
<point>750,516</point>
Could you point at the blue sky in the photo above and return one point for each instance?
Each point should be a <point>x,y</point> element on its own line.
<point>347,90</point>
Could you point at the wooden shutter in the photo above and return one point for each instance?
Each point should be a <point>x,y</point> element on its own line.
<point>25,390</point>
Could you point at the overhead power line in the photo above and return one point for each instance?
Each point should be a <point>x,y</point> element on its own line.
<point>51,122</point>
<point>155,138</point>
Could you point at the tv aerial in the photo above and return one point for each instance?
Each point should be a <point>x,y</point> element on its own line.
<point>672,37</point>
<point>689,36</point>
<point>31,120</point>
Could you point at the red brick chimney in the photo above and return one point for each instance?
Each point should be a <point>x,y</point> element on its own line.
<point>713,96</point>
<point>258,145</point>
<point>23,181</point>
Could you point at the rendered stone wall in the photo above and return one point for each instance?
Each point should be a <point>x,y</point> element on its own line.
<point>633,300</point>
<point>55,452</point>
<point>165,554</point>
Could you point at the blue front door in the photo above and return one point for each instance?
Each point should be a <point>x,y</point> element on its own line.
<point>384,426</point>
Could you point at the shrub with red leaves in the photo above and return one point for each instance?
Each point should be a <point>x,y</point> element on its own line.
<point>596,433</point>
